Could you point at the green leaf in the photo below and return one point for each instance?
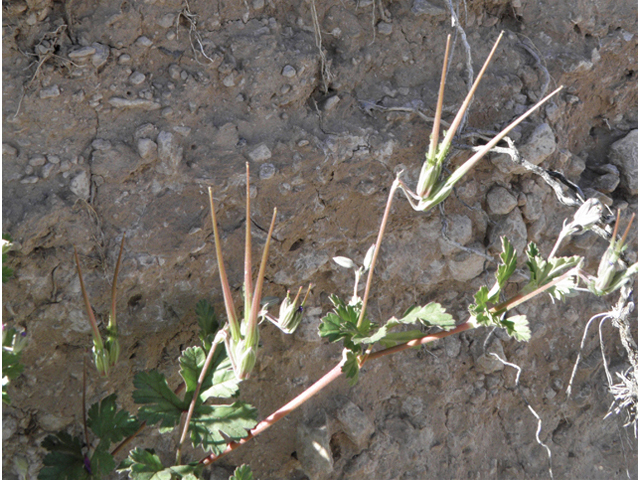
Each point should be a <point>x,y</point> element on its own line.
<point>160,404</point>
<point>108,423</point>
<point>65,460</point>
<point>544,271</point>
<point>518,327</point>
<point>243,472</point>
<point>7,272</point>
<point>396,338</point>
<point>351,368</point>
<point>11,366</point>
<point>430,315</point>
<point>102,462</point>
<point>480,309</point>
<point>505,270</point>
<point>146,465</point>
<point>208,322</point>
<point>213,425</point>
<point>220,380</point>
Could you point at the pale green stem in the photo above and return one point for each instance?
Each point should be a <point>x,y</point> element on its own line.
<point>247,253</point>
<point>226,290</point>
<point>112,320</point>
<point>435,134</point>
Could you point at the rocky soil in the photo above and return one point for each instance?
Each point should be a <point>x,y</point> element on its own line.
<point>117,116</point>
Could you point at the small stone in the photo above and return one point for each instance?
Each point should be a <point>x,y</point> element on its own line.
<point>314,450</point>
<point>101,56</point>
<point>101,144</point>
<point>166,112</point>
<point>9,150</point>
<point>465,266</point>
<point>143,41</point>
<point>288,71</point>
<point>82,53</point>
<point>385,28</point>
<point>53,159</point>
<point>146,130</point>
<point>184,75</point>
<point>513,227</point>
<point>81,185</point>
<point>147,148</point>
<point>459,228</point>
<point>136,78</point>
<point>500,201</point>
<point>624,155</point>
<point>50,92</point>
<point>167,21</point>
<point>330,103</point>
<point>141,103</point>
<point>46,170</point>
<point>260,153</point>
<point>267,170</point>
<point>284,89</point>
<point>258,4</point>
<point>303,143</point>
<point>422,7</point>
<point>228,81</point>
<point>355,424</point>
<point>182,130</point>
<point>170,35</point>
<point>29,179</point>
<point>65,166</point>
<point>169,153</point>
<point>541,144</point>
<point>124,59</point>
<point>37,161</point>
<point>607,183</point>
<point>28,170</point>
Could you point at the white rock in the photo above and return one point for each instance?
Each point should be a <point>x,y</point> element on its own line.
<point>136,78</point>
<point>260,153</point>
<point>50,92</point>
<point>81,185</point>
<point>288,71</point>
<point>147,148</point>
<point>500,201</point>
<point>624,154</point>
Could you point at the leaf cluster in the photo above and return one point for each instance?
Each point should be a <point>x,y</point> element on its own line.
<point>342,324</point>
<point>69,458</point>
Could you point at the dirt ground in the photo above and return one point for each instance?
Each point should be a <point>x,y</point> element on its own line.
<point>117,116</point>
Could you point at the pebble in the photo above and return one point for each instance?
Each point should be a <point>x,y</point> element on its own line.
<point>147,148</point>
<point>143,41</point>
<point>46,170</point>
<point>607,183</point>
<point>82,53</point>
<point>136,78</point>
<point>169,153</point>
<point>142,103</point>
<point>624,155</point>
<point>174,71</point>
<point>28,170</point>
<point>81,185</point>
<point>422,7</point>
<point>101,144</point>
<point>124,59</point>
<point>29,179</point>
<point>9,150</point>
<point>288,71</point>
<point>500,201</point>
<point>167,21</point>
<point>285,89</point>
<point>260,153</point>
<point>50,92</point>
<point>267,170</point>
<point>385,28</point>
<point>229,81</point>
<point>258,4</point>
<point>65,166</point>
<point>331,102</point>
<point>146,130</point>
<point>37,161</point>
<point>182,130</point>
<point>166,112</point>
<point>53,159</point>
<point>101,56</point>
<point>171,35</point>
<point>303,143</point>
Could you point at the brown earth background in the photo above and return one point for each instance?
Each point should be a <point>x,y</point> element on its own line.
<point>117,116</point>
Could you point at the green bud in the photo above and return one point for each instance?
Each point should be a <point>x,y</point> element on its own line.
<point>101,360</point>
<point>112,348</point>
<point>429,175</point>
<point>243,356</point>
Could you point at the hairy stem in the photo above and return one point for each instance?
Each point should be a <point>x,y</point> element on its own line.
<point>329,377</point>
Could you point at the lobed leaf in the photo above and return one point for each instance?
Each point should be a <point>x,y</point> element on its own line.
<point>159,402</point>
<point>351,368</point>
<point>219,382</point>
<point>543,271</point>
<point>207,321</point>
<point>243,472</point>
<point>517,326</point>
<point>213,426</point>
<point>108,423</point>
<point>430,315</point>
<point>146,465</point>
<point>65,460</point>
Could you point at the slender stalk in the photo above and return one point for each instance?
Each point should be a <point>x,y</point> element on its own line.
<point>435,134</point>
<point>329,377</point>
<point>84,400</point>
<point>456,121</point>
<point>385,217</point>
<point>247,252</point>
<point>226,290</point>
<point>127,440</point>
<point>112,320</point>
<point>192,405</point>
<point>85,296</point>
<point>252,321</point>
<point>468,165</point>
